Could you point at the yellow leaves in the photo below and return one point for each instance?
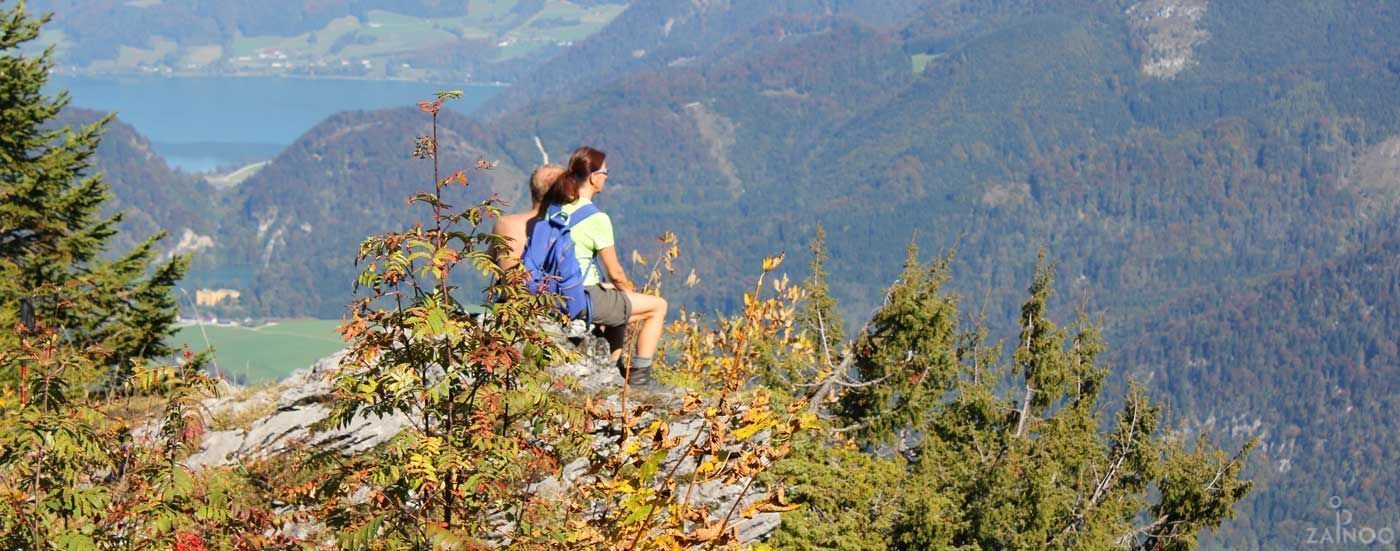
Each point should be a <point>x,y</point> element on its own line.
<point>707,467</point>
<point>780,284</point>
<point>421,465</point>
<point>756,421</point>
<point>445,256</point>
<point>429,321</point>
<point>153,378</point>
<point>692,280</point>
<point>422,461</point>
<point>638,259</point>
<point>584,536</point>
<point>775,502</point>
<point>771,263</point>
<point>367,386</point>
<point>805,421</point>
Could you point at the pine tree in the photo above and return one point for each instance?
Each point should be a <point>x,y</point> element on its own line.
<point>53,239</point>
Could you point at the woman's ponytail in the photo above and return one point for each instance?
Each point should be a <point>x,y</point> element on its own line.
<point>584,162</point>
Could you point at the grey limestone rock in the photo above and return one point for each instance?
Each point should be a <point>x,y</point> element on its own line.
<point>299,402</point>
<point>298,406</point>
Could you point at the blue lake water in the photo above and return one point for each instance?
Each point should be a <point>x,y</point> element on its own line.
<point>198,123</point>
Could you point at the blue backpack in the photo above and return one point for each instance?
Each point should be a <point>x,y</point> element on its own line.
<point>549,258</point>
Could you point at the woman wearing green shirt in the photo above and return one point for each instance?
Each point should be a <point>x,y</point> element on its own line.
<point>611,306</point>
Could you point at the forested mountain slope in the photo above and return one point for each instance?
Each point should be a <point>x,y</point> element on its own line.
<point>657,34</point>
<point>1307,361</point>
<point>1032,130</point>
<point>1028,127</point>
<point>298,223</point>
<point>151,196</point>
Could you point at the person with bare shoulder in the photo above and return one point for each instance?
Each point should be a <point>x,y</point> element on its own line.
<point>516,227</point>
<point>611,306</point>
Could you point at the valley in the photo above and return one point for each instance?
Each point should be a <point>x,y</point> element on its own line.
<point>262,354</point>
<point>401,40</point>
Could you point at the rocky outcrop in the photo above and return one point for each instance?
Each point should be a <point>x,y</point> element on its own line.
<point>298,402</point>
<point>1171,29</point>
<point>298,406</point>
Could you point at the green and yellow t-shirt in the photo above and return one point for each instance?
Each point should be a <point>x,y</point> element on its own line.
<point>593,234</point>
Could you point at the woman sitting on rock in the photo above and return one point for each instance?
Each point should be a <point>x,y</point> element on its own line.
<point>616,304</point>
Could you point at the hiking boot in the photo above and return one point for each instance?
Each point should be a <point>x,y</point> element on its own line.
<point>641,379</point>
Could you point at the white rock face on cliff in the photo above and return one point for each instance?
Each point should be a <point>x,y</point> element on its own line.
<point>1172,31</point>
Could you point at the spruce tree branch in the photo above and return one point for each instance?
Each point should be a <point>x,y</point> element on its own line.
<point>827,387</point>
<point>826,348</point>
<point>1165,519</point>
<point>849,428</point>
<point>1101,488</point>
<point>1132,535</point>
<point>1026,400</point>
<point>846,384</point>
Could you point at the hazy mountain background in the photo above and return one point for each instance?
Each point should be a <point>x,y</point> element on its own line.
<point>1219,182</point>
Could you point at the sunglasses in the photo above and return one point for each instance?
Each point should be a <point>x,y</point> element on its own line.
<point>604,172</point>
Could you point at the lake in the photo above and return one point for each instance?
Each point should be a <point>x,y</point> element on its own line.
<point>199,123</point>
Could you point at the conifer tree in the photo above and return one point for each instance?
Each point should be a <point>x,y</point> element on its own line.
<point>904,359</point>
<point>52,235</point>
<point>821,315</point>
<point>1001,454</point>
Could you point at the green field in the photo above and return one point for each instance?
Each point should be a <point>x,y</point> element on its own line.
<point>266,353</point>
<point>921,61</point>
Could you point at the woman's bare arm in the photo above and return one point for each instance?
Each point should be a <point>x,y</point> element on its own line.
<point>613,268</point>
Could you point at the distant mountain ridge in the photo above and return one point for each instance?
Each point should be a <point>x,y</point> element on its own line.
<point>300,220</point>
<point>151,196</point>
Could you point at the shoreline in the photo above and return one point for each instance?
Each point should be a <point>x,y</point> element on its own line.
<point>262,324</point>
<point>178,75</point>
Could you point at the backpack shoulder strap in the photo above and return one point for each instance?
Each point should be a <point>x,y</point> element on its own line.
<point>555,216</point>
<point>582,213</point>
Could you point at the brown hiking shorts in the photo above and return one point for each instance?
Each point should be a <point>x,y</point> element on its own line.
<point>611,310</point>
<point>609,307</point>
